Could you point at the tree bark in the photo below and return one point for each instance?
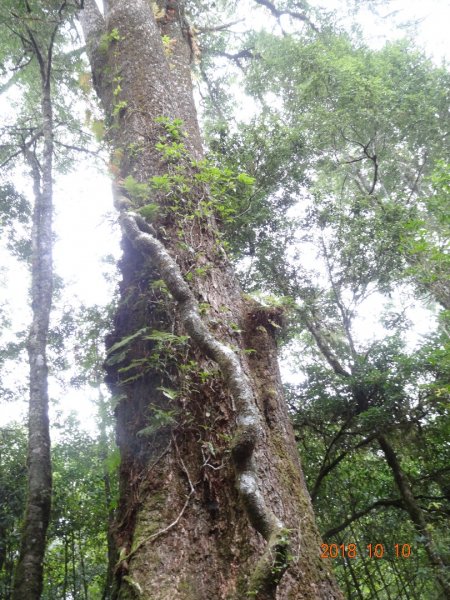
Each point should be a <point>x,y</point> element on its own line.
<point>212,502</point>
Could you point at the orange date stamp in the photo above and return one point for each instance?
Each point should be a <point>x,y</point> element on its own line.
<point>372,550</point>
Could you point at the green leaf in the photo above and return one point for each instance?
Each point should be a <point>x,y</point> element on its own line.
<point>126,340</point>
<point>168,393</point>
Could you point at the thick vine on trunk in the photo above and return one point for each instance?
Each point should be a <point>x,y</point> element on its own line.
<point>213,502</point>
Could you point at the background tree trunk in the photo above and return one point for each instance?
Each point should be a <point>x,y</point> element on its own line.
<point>415,513</point>
<point>182,530</point>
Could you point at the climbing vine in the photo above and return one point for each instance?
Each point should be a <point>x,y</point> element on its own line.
<point>249,430</point>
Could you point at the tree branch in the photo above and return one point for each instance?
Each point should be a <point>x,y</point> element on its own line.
<point>325,470</point>
<point>324,348</point>
<point>366,154</point>
<point>346,320</point>
<point>236,57</point>
<point>294,15</point>
<point>218,27</point>
<point>23,147</point>
<point>78,149</point>
<point>397,503</point>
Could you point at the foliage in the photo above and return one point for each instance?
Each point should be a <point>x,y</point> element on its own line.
<point>370,190</point>
<point>76,559</point>
<point>425,240</point>
<point>177,188</point>
<point>12,500</point>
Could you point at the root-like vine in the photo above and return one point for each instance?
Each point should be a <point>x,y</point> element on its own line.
<point>274,560</point>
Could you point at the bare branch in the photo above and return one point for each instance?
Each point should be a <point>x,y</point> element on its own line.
<point>221,27</point>
<point>95,153</point>
<point>295,15</point>
<point>396,503</point>
<point>236,57</point>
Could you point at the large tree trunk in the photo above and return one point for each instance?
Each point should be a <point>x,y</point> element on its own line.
<point>212,501</point>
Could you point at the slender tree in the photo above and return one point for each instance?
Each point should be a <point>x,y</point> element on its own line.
<point>30,32</point>
<point>213,502</point>
<point>29,570</point>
